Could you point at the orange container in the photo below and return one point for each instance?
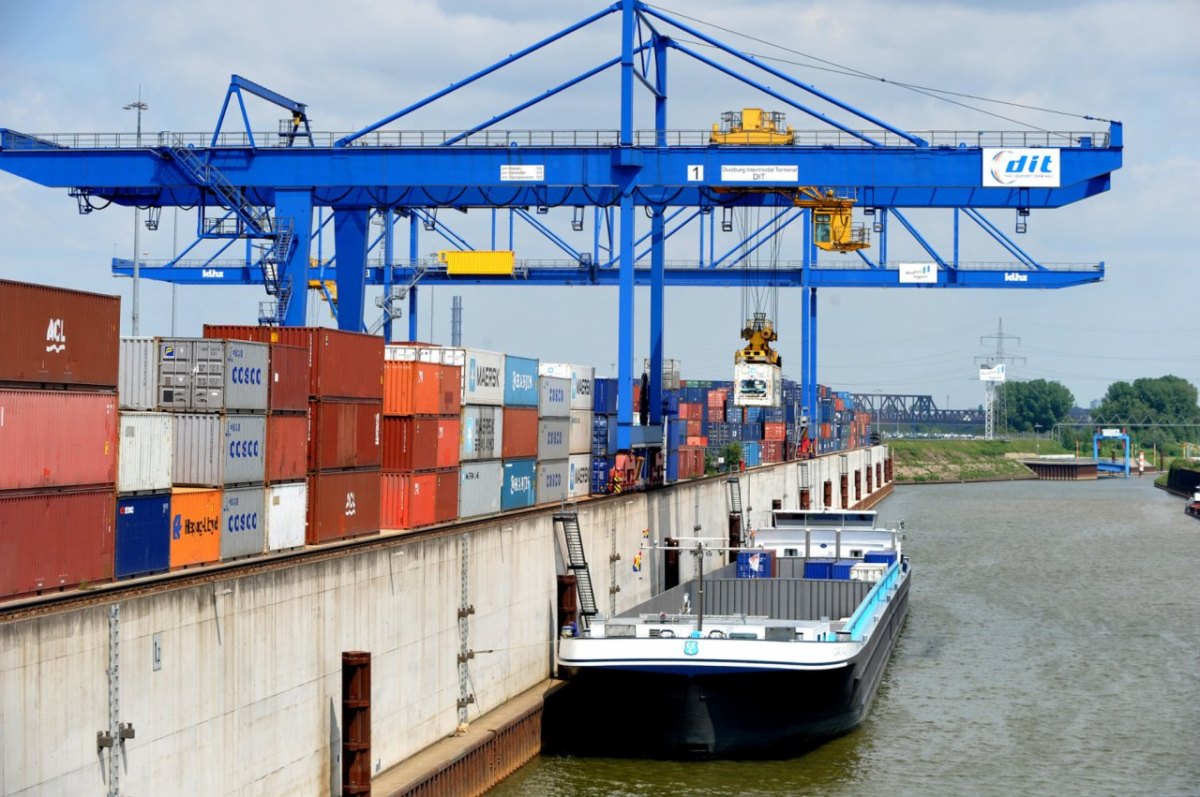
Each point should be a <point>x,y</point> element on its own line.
<point>697,440</point>
<point>411,388</point>
<point>774,431</point>
<point>450,392</point>
<point>195,526</point>
<point>449,430</point>
<point>694,428</point>
<point>409,500</point>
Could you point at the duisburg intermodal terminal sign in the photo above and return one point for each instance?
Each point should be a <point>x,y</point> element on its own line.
<point>1027,167</point>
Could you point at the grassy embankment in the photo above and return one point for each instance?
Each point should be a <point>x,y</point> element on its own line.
<point>930,461</point>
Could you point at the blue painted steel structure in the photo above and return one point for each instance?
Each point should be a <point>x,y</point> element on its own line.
<point>266,187</point>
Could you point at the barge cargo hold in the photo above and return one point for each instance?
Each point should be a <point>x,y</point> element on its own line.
<point>751,659</point>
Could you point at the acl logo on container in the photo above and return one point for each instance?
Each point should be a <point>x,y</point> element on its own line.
<point>351,505</point>
<point>1036,167</point>
<point>56,336</point>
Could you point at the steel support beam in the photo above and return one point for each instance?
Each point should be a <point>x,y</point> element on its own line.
<point>350,228</point>
<point>297,206</point>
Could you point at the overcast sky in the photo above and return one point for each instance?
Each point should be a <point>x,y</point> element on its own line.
<point>70,67</point>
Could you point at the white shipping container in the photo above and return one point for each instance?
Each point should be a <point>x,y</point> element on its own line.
<point>580,438</point>
<point>481,434</point>
<point>757,385</point>
<point>479,488</point>
<point>868,571</point>
<point>145,449</point>
<point>583,381</point>
<point>552,479</point>
<point>554,435</point>
<point>554,397</point>
<point>286,512</point>
<point>579,475</point>
<point>214,450</point>
<point>137,374</point>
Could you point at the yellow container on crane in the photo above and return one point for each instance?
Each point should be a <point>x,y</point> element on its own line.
<point>478,262</point>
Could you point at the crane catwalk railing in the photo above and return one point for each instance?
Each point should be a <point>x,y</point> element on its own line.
<point>552,138</point>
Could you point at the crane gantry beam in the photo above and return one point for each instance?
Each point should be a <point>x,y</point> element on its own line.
<point>267,187</point>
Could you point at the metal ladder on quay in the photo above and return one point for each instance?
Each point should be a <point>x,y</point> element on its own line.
<point>733,500</point>
<point>577,564</point>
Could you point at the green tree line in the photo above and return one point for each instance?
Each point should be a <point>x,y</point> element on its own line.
<point>1159,412</point>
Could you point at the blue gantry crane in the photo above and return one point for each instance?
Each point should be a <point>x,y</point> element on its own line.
<point>276,193</point>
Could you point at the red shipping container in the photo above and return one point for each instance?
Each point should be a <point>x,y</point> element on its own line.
<point>57,438</point>
<point>55,540</point>
<point>288,391</point>
<point>774,430</point>
<point>55,336</point>
<point>341,364</point>
<point>344,435</point>
<point>445,505</point>
<point>411,388</point>
<point>694,440</point>
<point>694,428</point>
<point>287,447</point>
<point>448,445</point>
<point>451,390</point>
<point>410,444</point>
<point>520,433</point>
<point>409,500</point>
<point>342,504</point>
<point>772,451</point>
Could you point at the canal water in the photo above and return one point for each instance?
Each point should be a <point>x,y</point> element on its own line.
<point>1052,648</point>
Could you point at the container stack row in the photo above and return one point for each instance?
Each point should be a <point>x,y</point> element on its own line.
<point>58,437</point>
<point>604,434</point>
<point>344,418</point>
<point>421,429</point>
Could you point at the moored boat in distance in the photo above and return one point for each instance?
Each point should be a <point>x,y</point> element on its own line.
<point>1193,506</point>
<point>767,656</point>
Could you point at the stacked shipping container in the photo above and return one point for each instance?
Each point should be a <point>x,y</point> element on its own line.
<point>345,407</point>
<point>58,437</point>
<point>524,433</point>
<point>421,426</point>
<point>554,433</point>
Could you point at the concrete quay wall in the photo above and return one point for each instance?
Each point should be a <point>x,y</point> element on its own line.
<point>234,687</point>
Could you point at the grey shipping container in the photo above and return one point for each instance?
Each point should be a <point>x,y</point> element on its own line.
<point>479,488</point>
<point>553,438</point>
<point>207,375</point>
<point>145,449</point>
<point>580,438</point>
<point>554,397</point>
<point>243,522</point>
<point>137,382</point>
<point>579,475</point>
<point>552,480</point>
<point>213,450</point>
<point>481,433</point>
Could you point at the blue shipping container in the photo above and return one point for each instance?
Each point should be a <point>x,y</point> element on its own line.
<point>520,381</point>
<point>671,403</point>
<point>519,488</point>
<point>604,435</point>
<point>601,467</point>
<point>818,568</point>
<point>143,535</point>
<point>841,569</point>
<point>886,557</point>
<point>604,400</point>
<point>755,564</point>
<point>752,454</point>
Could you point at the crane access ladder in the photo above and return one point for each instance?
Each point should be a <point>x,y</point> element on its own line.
<point>577,564</point>
<point>737,514</point>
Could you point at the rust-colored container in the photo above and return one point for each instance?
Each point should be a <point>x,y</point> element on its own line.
<point>341,364</point>
<point>287,447</point>
<point>449,430</point>
<point>774,431</point>
<point>344,435</point>
<point>450,391</point>
<point>411,388</point>
<point>410,444</point>
<point>55,336</point>
<point>195,526</point>
<point>55,540</point>
<point>772,451</point>
<point>694,428</point>
<point>57,438</point>
<point>445,499</point>
<point>520,433</point>
<point>342,504</point>
<point>697,440</point>
<point>288,391</point>
<point>409,500</point>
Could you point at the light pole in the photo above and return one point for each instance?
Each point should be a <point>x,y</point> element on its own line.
<point>138,106</point>
<point>1037,430</point>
